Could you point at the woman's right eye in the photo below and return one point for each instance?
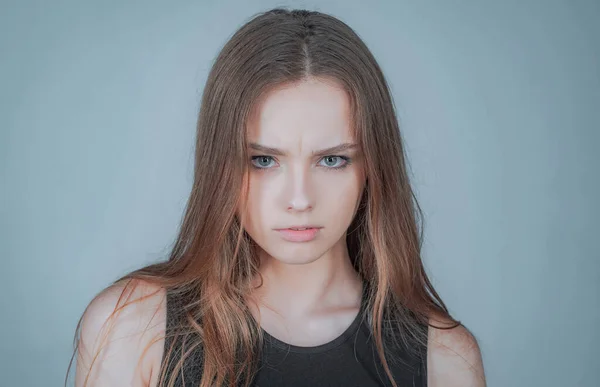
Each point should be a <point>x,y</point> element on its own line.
<point>261,160</point>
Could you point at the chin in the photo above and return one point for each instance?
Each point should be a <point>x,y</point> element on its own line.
<point>297,256</point>
<point>296,261</point>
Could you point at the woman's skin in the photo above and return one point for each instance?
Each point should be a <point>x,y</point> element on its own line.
<point>311,292</point>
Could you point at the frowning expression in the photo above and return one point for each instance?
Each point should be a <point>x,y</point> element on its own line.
<point>305,169</point>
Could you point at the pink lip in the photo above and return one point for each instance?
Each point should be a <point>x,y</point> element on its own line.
<point>298,235</point>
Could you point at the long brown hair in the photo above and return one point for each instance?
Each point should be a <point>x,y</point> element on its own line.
<point>213,261</point>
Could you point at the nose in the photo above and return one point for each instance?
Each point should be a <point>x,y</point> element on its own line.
<point>298,192</point>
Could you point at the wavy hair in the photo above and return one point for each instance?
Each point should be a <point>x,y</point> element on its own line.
<point>213,260</point>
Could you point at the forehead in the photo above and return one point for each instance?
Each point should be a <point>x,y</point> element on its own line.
<point>310,114</point>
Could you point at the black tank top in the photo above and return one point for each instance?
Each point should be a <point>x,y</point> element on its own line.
<point>349,360</point>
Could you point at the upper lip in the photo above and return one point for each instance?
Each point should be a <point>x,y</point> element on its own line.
<point>299,226</point>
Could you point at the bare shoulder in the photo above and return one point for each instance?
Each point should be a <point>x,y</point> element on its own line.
<point>453,357</point>
<point>122,336</point>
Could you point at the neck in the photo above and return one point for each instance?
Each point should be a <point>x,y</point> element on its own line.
<point>295,290</point>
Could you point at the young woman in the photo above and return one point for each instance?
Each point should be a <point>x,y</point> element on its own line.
<point>298,260</point>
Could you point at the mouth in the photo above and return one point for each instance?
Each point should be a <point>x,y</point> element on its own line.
<point>299,234</point>
<point>299,227</point>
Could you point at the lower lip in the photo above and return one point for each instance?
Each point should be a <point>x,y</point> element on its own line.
<point>299,235</point>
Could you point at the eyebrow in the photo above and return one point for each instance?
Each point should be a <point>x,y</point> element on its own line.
<point>323,152</point>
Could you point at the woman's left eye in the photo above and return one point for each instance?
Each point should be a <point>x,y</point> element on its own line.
<point>330,162</point>
<point>343,159</point>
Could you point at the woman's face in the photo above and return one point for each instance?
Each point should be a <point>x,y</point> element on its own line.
<point>298,181</point>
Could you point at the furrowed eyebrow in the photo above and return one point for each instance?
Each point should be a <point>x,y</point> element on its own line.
<point>323,152</point>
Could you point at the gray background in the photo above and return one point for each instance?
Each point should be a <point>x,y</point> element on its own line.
<point>498,102</point>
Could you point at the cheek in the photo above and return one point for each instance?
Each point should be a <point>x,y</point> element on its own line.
<point>341,192</point>
<point>336,198</point>
<point>257,210</point>
<point>342,203</point>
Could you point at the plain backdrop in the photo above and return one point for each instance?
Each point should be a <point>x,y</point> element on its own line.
<point>498,103</point>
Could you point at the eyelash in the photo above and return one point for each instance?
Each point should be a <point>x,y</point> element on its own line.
<point>347,161</point>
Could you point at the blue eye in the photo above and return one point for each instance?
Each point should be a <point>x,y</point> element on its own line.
<point>261,158</point>
<point>265,162</point>
<point>343,159</point>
